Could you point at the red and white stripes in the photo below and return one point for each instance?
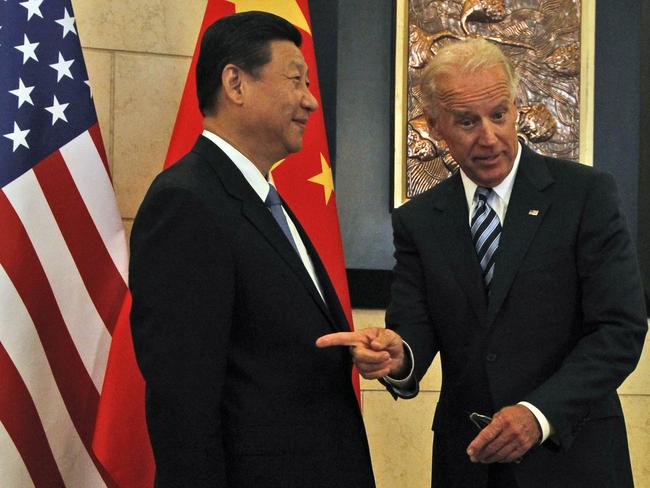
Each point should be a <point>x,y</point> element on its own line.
<point>63,269</point>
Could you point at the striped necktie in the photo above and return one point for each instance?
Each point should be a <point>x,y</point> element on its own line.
<point>486,231</point>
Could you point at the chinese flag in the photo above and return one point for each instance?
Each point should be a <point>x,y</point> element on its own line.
<point>121,442</point>
<point>304,179</point>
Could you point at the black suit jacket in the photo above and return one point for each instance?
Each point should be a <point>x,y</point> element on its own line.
<point>224,322</point>
<point>563,326</point>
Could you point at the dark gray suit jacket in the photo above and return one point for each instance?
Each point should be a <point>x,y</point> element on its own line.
<point>563,326</point>
<point>224,321</point>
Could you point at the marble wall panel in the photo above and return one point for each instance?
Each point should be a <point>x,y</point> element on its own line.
<point>147,93</point>
<point>128,225</point>
<point>637,418</point>
<point>400,437</point>
<point>364,317</point>
<point>153,26</point>
<point>638,383</point>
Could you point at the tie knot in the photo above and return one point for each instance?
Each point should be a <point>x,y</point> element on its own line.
<point>483,193</point>
<point>273,198</point>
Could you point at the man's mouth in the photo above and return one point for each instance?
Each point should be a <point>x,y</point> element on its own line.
<point>301,122</point>
<point>487,159</point>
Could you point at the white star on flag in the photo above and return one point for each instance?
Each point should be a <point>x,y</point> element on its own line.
<point>23,93</point>
<point>28,49</point>
<point>67,22</point>
<point>90,88</point>
<point>18,136</point>
<point>62,68</point>
<point>33,8</point>
<point>57,110</point>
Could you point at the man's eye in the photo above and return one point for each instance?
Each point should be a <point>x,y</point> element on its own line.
<point>466,123</point>
<point>499,115</point>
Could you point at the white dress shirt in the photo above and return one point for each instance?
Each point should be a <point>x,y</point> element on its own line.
<point>260,185</point>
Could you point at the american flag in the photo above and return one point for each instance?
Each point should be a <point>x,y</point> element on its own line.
<point>63,258</point>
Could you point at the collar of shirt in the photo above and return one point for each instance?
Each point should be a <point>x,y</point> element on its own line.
<point>250,172</point>
<point>501,193</point>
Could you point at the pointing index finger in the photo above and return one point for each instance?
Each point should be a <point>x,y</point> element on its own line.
<point>338,339</point>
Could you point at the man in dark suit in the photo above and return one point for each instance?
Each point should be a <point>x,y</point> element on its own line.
<point>520,272</point>
<point>229,295</point>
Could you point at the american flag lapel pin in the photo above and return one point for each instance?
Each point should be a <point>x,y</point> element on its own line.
<point>534,212</point>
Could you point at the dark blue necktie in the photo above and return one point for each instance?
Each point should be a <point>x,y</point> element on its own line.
<point>274,204</point>
<point>486,231</point>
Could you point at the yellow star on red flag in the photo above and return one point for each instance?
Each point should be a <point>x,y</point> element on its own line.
<point>275,165</point>
<point>324,178</point>
<point>287,9</point>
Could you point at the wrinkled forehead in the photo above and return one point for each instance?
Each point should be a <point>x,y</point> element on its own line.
<point>463,89</point>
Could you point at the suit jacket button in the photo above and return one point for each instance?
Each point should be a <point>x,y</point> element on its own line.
<point>491,357</point>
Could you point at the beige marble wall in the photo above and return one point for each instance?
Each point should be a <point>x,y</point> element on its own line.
<point>138,53</point>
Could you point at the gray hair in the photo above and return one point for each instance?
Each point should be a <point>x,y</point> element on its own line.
<point>466,56</point>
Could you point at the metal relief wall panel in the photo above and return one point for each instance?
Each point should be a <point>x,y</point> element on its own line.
<point>551,50</point>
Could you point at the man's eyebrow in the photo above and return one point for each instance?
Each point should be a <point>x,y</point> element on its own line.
<point>502,104</point>
<point>298,64</point>
<point>460,113</point>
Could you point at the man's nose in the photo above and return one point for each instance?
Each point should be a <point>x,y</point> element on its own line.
<point>487,135</point>
<point>309,101</point>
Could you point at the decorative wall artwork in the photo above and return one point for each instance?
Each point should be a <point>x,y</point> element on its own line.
<point>551,45</point>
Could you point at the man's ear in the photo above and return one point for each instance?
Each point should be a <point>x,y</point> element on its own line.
<point>232,82</point>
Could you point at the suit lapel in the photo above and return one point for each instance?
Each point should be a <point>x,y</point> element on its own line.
<point>332,306</point>
<point>526,210</point>
<point>260,217</point>
<point>451,228</point>
<point>254,210</point>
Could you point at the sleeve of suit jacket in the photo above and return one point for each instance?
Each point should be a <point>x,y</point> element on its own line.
<point>182,282</point>
<point>611,310</point>
<point>409,303</point>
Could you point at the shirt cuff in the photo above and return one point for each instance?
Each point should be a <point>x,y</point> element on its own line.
<point>400,383</point>
<point>544,424</point>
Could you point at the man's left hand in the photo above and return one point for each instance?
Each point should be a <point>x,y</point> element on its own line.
<point>512,432</point>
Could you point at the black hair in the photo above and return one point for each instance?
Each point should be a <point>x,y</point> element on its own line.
<point>240,39</point>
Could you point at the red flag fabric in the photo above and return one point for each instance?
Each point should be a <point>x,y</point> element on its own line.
<point>121,441</point>
<point>304,179</point>
<point>63,263</point>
